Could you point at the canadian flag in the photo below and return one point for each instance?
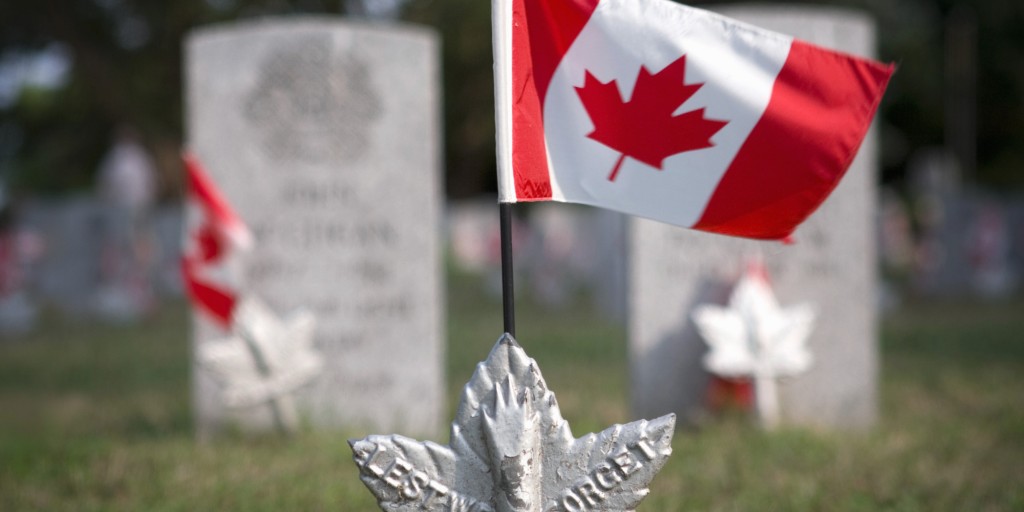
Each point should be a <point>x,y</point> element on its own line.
<point>214,234</point>
<point>672,113</point>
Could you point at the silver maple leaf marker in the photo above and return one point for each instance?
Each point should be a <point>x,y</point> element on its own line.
<point>511,451</point>
<point>755,337</point>
<point>264,360</point>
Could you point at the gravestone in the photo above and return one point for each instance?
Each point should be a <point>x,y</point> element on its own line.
<point>168,223</point>
<point>559,255</point>
<point>832,265</point>
<point>324,137</point>
<point>577,248</point>
<point>472,228</point>
<point>608,282</point>
<point>68,270</point>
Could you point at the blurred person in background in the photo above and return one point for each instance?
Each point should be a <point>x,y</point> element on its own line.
<point>126,184</point>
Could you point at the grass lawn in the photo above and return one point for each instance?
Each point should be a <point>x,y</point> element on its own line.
<point>97,418</point>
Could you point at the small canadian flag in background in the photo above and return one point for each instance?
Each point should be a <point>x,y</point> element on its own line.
<point>672,113</point>
<point>214,236</point>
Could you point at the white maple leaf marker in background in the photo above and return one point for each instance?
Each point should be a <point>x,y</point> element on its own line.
<point>264,360</point>
<point>754,337</point>
<point>511,451</point>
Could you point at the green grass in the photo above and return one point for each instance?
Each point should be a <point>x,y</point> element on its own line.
<point>97,418</point>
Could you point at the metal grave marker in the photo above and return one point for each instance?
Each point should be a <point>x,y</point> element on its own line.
<point>264,361</point>
<point>511,451</point>
<point>754,337</point>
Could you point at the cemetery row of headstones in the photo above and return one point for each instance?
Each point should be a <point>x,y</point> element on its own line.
<point>324,137</point>
<point>68,254</point>
<point>297,122</point>
<point>345,227</point>
<point>55,253</point>
<point>509,447</point>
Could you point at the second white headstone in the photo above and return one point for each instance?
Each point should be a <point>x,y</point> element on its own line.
<point>832,265</point>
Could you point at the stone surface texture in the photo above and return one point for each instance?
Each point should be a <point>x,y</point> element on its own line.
<point>324,135</point>
<point>832,264</point>
<point>510,450</point>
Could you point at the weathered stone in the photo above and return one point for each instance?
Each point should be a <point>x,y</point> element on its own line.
<point>511,451</point>
<point>324,136</point>
<point>832,265</point>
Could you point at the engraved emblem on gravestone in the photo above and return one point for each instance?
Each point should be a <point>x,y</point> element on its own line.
<point>313,103</point>
<point>754,337</point>
<point>511,451</point>
<point>264,360</point>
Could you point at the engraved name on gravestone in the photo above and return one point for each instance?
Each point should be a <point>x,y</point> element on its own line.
<point>832,264</point>
<point>324,136</point>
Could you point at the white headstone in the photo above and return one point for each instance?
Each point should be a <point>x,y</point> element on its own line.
<point>324,136</point>
<point>832,264</point>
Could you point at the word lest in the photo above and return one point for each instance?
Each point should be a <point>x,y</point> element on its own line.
<point>413,484</point>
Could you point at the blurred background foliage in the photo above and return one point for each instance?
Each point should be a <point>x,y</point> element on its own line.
<point>72,71</point>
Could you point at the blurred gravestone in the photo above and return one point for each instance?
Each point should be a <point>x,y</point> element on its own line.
<point>577,248</point>
<point>324,136</point>
<point>562,250</point>
<point>608,281</point>
<point>167,228</point>
<point>558,255</point>
<point>67,271</point>
<point>18,248</point>
<point>832,265</point>
<point>472,227</point>
<point>942,214</point>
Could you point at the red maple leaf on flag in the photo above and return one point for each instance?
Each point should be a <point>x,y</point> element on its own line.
<point>645,127</point>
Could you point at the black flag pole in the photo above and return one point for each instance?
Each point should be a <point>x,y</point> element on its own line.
<point>507,295</point>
